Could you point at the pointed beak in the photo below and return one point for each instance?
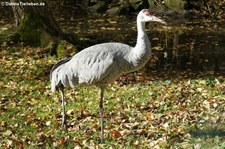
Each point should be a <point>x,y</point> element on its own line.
<point>158,20</point>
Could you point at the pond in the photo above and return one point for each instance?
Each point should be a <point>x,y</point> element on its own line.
<point>182,46</point>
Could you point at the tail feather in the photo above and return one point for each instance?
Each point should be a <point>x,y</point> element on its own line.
<point>55,82</point>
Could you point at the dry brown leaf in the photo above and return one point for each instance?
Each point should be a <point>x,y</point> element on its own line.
<point>116,134</point>
<point>18,144</point>
<point>30,118</point>
<point>95,126</point>
<point>62,141</point>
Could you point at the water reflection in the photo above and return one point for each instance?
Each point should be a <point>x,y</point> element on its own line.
<point>195,51</point>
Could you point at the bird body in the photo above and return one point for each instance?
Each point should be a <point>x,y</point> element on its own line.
<point>102,64</point>
<point>99,65</point>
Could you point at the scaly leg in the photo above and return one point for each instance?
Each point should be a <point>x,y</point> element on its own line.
<point>101,113</point>
<point>63,109</point>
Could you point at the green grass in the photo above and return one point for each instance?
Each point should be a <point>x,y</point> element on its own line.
<point>157,113</point>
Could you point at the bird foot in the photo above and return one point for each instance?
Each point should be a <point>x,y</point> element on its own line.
<point>102,142</point>
<point>64,126</point>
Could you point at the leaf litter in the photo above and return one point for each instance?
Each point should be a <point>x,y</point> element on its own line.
<point>144,113</point>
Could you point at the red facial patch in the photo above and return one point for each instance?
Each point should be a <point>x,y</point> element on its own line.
<point>148,13</point>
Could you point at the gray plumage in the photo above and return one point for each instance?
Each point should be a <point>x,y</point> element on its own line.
<point>102,64</point>
<point>61,62</point>
<point>98,65</point>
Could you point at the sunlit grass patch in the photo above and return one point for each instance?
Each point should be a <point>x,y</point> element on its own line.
<point>163,113</point>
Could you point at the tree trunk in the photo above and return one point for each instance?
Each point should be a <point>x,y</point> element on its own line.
<point>18,13</point>
<point>29,12</point>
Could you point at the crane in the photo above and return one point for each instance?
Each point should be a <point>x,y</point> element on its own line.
<point>102,64</point>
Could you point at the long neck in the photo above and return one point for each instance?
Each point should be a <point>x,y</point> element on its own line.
<point>139,55</point>
<point>142,38</point>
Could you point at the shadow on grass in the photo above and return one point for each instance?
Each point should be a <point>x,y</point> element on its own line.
<point>209,130</point>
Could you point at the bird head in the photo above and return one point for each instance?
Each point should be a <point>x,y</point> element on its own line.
<point>146,15</point>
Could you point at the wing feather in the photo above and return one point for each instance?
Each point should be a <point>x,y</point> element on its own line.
<point>99,64</point>
<point>95,67</point>
<point>94,64</point>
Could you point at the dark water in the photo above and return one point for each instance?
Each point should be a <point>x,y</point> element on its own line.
<point>178,46</point>
<point>194,50</point>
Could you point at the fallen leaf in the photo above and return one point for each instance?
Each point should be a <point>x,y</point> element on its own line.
<point>40,135</point>
<point>9,143</point>
<point>48,123</point>
<point>62,141</point>
<point>77,147</point>
<point>19,144</point>
<point>30,118</point>
<point>95,126</point>
<point>116,134</point>
<point>69,112</point>
<point>7,133</point>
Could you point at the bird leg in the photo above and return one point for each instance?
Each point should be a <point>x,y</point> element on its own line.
<point>63,109</point>
<point>101,114</point>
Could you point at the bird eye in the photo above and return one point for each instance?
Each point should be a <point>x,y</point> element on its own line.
<point>148,13</point>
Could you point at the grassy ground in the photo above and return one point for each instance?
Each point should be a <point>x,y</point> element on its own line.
<point>161,113</point>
